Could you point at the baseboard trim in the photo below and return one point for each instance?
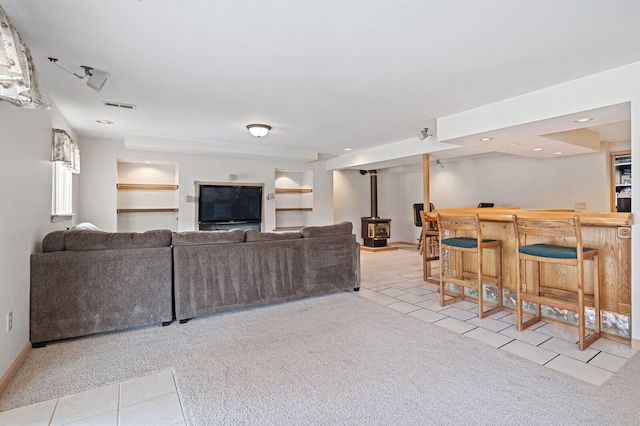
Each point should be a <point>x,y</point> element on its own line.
<point>404,243</point>
<point>375,249</point>
<point>13,369</point>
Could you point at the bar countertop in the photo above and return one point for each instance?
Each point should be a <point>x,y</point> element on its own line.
<point>504,214</point>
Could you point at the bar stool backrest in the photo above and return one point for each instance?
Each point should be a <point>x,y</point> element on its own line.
<point>469,225</point>
<point>567,231</point>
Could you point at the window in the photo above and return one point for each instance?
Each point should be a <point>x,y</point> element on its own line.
<point>66,163</point>
<point>62,200</point>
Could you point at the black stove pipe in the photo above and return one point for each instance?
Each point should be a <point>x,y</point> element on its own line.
<point>374,191</point>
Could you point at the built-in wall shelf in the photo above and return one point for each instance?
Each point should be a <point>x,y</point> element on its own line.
<point>293,191</point>
<point>293,199</point>
<point>169,210</point>
<point>621,181</point>
<point>152,187</point>
<point>147,195</point>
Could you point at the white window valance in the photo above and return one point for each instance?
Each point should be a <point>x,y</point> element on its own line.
<point>19,84</point>
<point>66,150</point>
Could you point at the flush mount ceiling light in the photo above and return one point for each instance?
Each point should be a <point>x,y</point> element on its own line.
<point>104,121</point>
<point>537,149</point>
<point>486,139</point>
<point>258,130</point>
<point>582,120</point>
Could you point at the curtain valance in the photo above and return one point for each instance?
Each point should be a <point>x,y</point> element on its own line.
<point>66,150</point>
<point>19,84</point>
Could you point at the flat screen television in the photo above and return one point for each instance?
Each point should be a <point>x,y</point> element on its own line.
<point>229,203</point>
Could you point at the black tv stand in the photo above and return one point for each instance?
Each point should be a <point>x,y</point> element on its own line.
<point>224,226</point>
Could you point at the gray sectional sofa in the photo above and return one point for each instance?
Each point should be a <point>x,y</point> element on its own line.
<point>86,282</point>
<point>220,271</point>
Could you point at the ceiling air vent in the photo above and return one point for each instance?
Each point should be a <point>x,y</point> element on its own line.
<point>119,105</point>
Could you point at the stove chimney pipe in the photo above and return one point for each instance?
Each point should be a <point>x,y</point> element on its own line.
<point>374,193</point>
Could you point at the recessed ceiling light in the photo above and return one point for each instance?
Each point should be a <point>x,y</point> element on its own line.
<point>104,121</point>
<point>513,144</point>
<point>537,149</point>
<point>348,149</point>
<point>558,153</point>
<point>582,120</point>
<point>486,139</point>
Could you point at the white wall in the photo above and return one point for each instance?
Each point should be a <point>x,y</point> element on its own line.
<point>98,195</point>
<point>555,183</point>
<point>396,196</point>
<point>26,214</point>
<point>351,198</point>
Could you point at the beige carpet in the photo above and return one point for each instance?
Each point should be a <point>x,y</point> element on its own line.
<point>336,359</point>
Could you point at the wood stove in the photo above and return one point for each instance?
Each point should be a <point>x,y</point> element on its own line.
<point>375,230</point>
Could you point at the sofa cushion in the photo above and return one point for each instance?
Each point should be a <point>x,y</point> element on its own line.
<point>251,235</point>
<point>99,240</point>
<point>53,241</point>
<point>326,231</point>
<point>207,237</point>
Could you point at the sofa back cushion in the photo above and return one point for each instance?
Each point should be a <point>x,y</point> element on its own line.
<point>251,235</point>
<point>192,238</point>
<point>53,241</point>
<point>327,231</point>
<point>98,240</point>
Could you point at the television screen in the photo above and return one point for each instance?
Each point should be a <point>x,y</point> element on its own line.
<point>229,203</point>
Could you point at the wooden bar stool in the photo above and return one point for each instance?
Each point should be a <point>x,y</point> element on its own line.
<point>430,247</point>
<point>533,244</point>
<point>461,236</point>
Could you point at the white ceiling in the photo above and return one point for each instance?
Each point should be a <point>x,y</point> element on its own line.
<point>326,74</point>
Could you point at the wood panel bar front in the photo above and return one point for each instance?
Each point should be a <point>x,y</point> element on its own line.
<point>610,233</point>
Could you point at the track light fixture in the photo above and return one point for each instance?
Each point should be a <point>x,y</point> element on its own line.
<point>425,133</point>
<point>437,163</point>
<point>95,79</point>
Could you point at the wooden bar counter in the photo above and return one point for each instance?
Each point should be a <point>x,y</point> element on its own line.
<point>610,233</point>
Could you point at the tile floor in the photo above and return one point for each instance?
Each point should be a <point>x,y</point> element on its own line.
<point>392,279</point>
<point>148,400</point>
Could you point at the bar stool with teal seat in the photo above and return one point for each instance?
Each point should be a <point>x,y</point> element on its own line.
<point>461,238</point>
<point>551,240</point>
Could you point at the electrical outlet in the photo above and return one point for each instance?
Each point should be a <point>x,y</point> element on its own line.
<point>581,206</point>
<point>9,321</point>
